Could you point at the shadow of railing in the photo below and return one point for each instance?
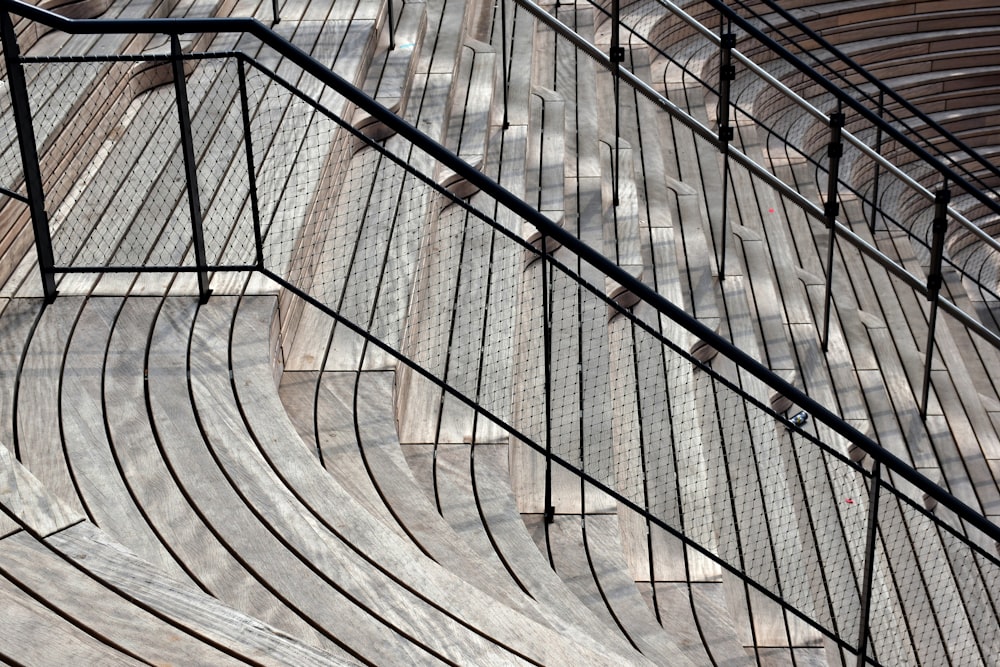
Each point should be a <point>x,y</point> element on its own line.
<point>505,315</point>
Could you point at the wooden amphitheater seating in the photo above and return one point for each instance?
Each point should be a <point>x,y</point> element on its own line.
<point>97,107</point>
<point>587,553</point>
<point>470,117</point>
<point>391,83</point>
<point>219,489</point>
<point>319,496</point>
<point>473,489</point>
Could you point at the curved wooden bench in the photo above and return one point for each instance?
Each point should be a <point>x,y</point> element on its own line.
<point>391,83</point>
<point>476,499</point>
<point>211,562</point>
<point>469,121</point>
<point>411,581</point>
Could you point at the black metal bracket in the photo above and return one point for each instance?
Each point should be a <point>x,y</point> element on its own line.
<point>617,54</point>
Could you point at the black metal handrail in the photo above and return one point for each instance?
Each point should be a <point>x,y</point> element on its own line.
<point>177,26</point>
<point>888,468</point>
<point>881,87</point>
<point>782,53</point>
<point>849,187</point>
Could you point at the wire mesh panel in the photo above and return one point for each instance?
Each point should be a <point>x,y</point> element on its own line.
<point>127,173</point>
<point>293,144</point>
<point>218,137</point>
<point>503,334</point>
<point>11,177</point>
<point>524,336</point>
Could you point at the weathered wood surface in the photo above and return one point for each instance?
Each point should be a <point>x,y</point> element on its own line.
<point>475,497</point>
<point>587,554</point>
<point>34,634</point>
<point>100,609</point>
<point>180,603</point>
<point>138,438</point>
<point>470,119</point>
<point>380,572</point>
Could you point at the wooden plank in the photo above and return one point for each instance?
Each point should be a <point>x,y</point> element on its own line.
<point>521,36</point>
<point>16,323</point>
<point>546,153</point>
<point>378,460</point>
<point>212,564</point>
<point>181,603</point>
<point>326,424</point>
<point>476,500</point>
<point>765,301</point>
<point>695,617</point>
<point>587,555</point>
<point>39,438</point>
<point>99,608</point>
<point>469,123</point>
<point>307,533</point>
<point>27,503</point>
<point>967,439</point>
<point>574,79</point>
<point>621,223</point>
<point>390,77</point>
<point>35,635</point>
<point>109,499</point>
<point>250,506</point>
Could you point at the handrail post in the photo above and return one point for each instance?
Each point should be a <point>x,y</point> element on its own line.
<point>251,169</point>
<point>275,17</point>
<point>503,60</point>
<point>869,575</point>
<point>617,57</point>
<point>934,281</point>
<point>29,156</point>
<point>831,209</point>
<point>878,170</point>
<point>190,168</point>
<point>392,28</point>
<point>549,510</point>
<point>727,74</point>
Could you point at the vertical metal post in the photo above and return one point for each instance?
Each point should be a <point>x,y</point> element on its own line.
<point>934,281</point>
<point>617,57</point>
<point>831,209</point>
<point>29,156</point>
<point>727,74</point>
<point>392,27</point>
<point>549,511</point>
<point>190,168</point>
<point>503,56</point>
<point>251,169</point>
<point>866,587</point>
<point>878,167</point>
<point>275,18</point>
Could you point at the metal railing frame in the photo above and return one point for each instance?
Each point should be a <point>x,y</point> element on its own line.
<point>838,230</point>
<point>883,89</point>
<point>884,461</point>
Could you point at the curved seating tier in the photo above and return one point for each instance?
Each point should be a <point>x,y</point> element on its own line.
<point>248,480</point>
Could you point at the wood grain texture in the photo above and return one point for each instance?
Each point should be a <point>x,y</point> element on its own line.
<point>34,634</point>
<point>122,623</point>
<point>484,513</point>
<point>180,603</point>
<point>138,440</point>
<point>587,554</point>
<point>109,499</point>
<point>39,440</point>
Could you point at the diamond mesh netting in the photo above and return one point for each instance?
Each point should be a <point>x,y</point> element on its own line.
<point>496,327</point>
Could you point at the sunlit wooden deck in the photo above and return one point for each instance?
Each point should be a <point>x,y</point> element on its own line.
<point>248,480</point>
